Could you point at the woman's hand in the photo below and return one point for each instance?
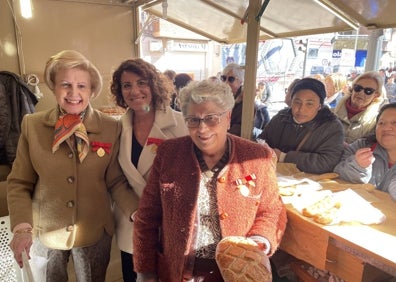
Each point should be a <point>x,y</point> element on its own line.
<point>364,157</point>
<point>22,241</point>
<point>264,245</point>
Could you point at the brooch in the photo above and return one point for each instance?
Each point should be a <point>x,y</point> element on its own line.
<point>245,184</point>
<point>100,148</point>
<point>154,141</point>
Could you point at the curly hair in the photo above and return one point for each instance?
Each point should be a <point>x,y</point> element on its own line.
<point>160,86</point>
<point>197,92</point>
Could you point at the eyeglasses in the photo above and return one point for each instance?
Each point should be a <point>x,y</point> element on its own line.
<point>230,79</point>
<point>210,120</point>
<point>367,90</point>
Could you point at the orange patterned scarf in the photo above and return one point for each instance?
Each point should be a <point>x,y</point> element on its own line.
<point>65,127</point>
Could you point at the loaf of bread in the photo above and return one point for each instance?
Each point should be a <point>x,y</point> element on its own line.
<point>323,211</point>
<point>241,260</point>
<point>327,216</point>
<point>287,191</point>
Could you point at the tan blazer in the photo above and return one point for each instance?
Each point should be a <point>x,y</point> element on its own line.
<point>67,202</point>
<point>167,125</point>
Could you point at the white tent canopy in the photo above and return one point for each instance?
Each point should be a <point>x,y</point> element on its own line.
<point>220,20</point>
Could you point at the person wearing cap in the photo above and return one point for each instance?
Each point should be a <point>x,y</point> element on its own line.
<point>307,133</point>
<point>358,110</point>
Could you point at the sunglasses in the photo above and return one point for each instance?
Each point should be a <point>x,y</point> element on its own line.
<point>367,90</point>
<point>230,79</point>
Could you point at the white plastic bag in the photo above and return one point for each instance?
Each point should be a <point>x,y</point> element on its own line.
<point>38,262</point>
<point>26,271</point>
<point>33,270</point>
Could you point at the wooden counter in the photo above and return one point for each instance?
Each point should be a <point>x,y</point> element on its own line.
<point>352,251</point>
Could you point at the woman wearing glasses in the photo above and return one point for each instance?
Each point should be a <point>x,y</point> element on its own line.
<point>372,159</point>
<point>358,110</point>
<point>205,187</point>
<point>141,89</point>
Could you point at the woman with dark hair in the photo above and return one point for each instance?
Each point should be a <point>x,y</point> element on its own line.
<point>180,81</point>
<point>371,159</point>
<point>307,134</point>
<point>141,89</point>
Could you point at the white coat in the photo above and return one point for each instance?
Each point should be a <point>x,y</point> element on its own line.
<point>167,124</point>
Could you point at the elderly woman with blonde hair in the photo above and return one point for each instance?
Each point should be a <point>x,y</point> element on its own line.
<point>65,170</point>
<point>358,110</point>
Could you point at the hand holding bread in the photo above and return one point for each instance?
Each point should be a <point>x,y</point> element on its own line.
<point>241,259</point>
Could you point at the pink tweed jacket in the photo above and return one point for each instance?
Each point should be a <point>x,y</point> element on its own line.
<point>168,207</point>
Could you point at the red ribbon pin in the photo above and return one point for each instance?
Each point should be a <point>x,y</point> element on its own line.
<point>97,145</point>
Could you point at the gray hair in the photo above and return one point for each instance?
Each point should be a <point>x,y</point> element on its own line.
<point>375,75</point>
<point>238,71</point>
<point>198,92</point>
<point>70,59</point>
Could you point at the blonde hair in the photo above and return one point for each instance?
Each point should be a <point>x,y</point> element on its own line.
<point>70,59</point>
<point>318,76</point>
<point>338,80</point>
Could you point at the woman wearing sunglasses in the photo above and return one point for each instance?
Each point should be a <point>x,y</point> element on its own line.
<point>358,110</point>
<point>233,75</point>
<point>202,188</point>
<point>372,159</point>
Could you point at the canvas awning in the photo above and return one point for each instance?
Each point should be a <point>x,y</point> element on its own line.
<point>233,21</point>
<point>220,20</point>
